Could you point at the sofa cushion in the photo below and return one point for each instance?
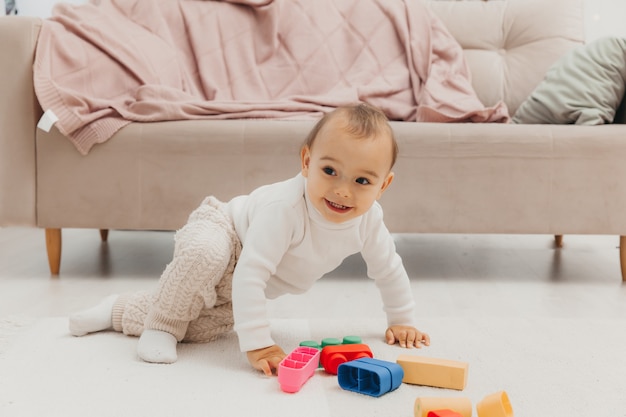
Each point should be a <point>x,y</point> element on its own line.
<point>584,87</point>
<point>510,45</point>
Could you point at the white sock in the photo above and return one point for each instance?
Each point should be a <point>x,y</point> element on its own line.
<point>157,347</point>
<point>95,319</point>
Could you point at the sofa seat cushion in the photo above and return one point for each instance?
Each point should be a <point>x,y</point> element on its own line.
<point>449,177</point>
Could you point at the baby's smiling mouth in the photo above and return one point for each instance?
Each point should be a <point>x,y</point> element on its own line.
<point>336,206</point>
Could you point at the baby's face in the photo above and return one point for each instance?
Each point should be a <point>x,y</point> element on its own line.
<point>345,175</point>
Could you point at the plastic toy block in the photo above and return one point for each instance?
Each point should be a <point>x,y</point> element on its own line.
<point>444,413</point>
<point>370,376</point>
<point>495,405</point>
<point>311,343</point>
<point>351,340</point>
<point>297,367</point>
<point>331,341</point>
<point>333,356</point>
<point>434,372</point>
<point>426,405</point>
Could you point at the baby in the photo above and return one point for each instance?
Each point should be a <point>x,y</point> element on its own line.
<point>280,239</point>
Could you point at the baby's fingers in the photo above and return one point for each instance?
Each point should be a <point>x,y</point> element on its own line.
<point>266,359</point>
<point>407,337</point>
<point>391,338</point>
<point>417,339</point>
<point>269,366</point>
<point>263,365</point>
<point>411,340</point>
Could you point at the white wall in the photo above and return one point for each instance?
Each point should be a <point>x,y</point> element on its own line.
<point>602,17</point>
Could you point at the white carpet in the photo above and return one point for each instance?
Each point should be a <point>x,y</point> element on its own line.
<point>553,367</point>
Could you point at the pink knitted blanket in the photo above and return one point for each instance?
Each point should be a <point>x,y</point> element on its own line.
<point>103,65</point>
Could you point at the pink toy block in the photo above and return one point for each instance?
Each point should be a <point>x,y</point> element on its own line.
<point>444,413</point>
<point>333,356</point>
<point>297,367</point>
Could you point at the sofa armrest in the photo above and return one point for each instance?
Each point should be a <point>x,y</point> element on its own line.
<point>19,114</point>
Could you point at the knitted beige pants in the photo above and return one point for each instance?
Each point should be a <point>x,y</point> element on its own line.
<point>193,297</point>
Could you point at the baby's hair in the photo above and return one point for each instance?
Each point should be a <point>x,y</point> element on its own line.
<point>362,121</point>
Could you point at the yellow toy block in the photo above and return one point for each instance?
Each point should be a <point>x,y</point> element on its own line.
<point>424,405</point>
<point>433,372</point>
<point>495,405</point>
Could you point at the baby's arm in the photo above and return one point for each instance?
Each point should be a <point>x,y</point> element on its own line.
<point>266,359</point>
<point>407,336</point>
<point>385,266</point>
<point>267,240</point>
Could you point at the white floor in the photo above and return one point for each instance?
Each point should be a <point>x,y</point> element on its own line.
<point>453,275</point>
<point>483,299</point>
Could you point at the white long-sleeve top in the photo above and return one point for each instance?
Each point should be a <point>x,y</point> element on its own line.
<point>287,246</point>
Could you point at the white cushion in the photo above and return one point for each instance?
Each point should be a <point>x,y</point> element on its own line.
<point>584,87</point>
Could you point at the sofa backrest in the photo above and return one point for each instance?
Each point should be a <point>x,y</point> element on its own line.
<point>19,113</point>
<point>510,44</point>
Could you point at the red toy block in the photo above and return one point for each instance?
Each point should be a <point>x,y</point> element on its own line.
<point>444,413</point>
<point>333,356</point>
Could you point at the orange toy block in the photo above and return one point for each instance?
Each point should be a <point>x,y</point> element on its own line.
<point>333,356</point>
<point>444,413</point>
<point>460,406</point>
<point>434,372</point>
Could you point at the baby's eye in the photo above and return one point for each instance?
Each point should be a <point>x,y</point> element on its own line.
<point>363,181</point>
<point>329,171</point>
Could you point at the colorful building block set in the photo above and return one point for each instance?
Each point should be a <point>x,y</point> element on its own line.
<point>357,370</point>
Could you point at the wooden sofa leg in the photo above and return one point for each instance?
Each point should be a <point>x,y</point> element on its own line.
<point>622,256</point>
<point>558,241</point>
<point>53,247</point>
<point>104,234</point>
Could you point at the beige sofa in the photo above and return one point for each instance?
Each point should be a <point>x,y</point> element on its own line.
<point>450,178</point>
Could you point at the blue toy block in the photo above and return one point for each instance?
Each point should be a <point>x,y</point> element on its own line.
<point>370,376</point>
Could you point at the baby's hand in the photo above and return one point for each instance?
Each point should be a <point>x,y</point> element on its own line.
<point>407,336</point>
<point>266,359</point>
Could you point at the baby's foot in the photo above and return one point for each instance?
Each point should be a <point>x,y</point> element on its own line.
<point>94,319</point>
<point>157,347</point>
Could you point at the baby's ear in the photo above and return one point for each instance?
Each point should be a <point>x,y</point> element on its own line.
<point>388,180</point>
<point>305,160</point>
